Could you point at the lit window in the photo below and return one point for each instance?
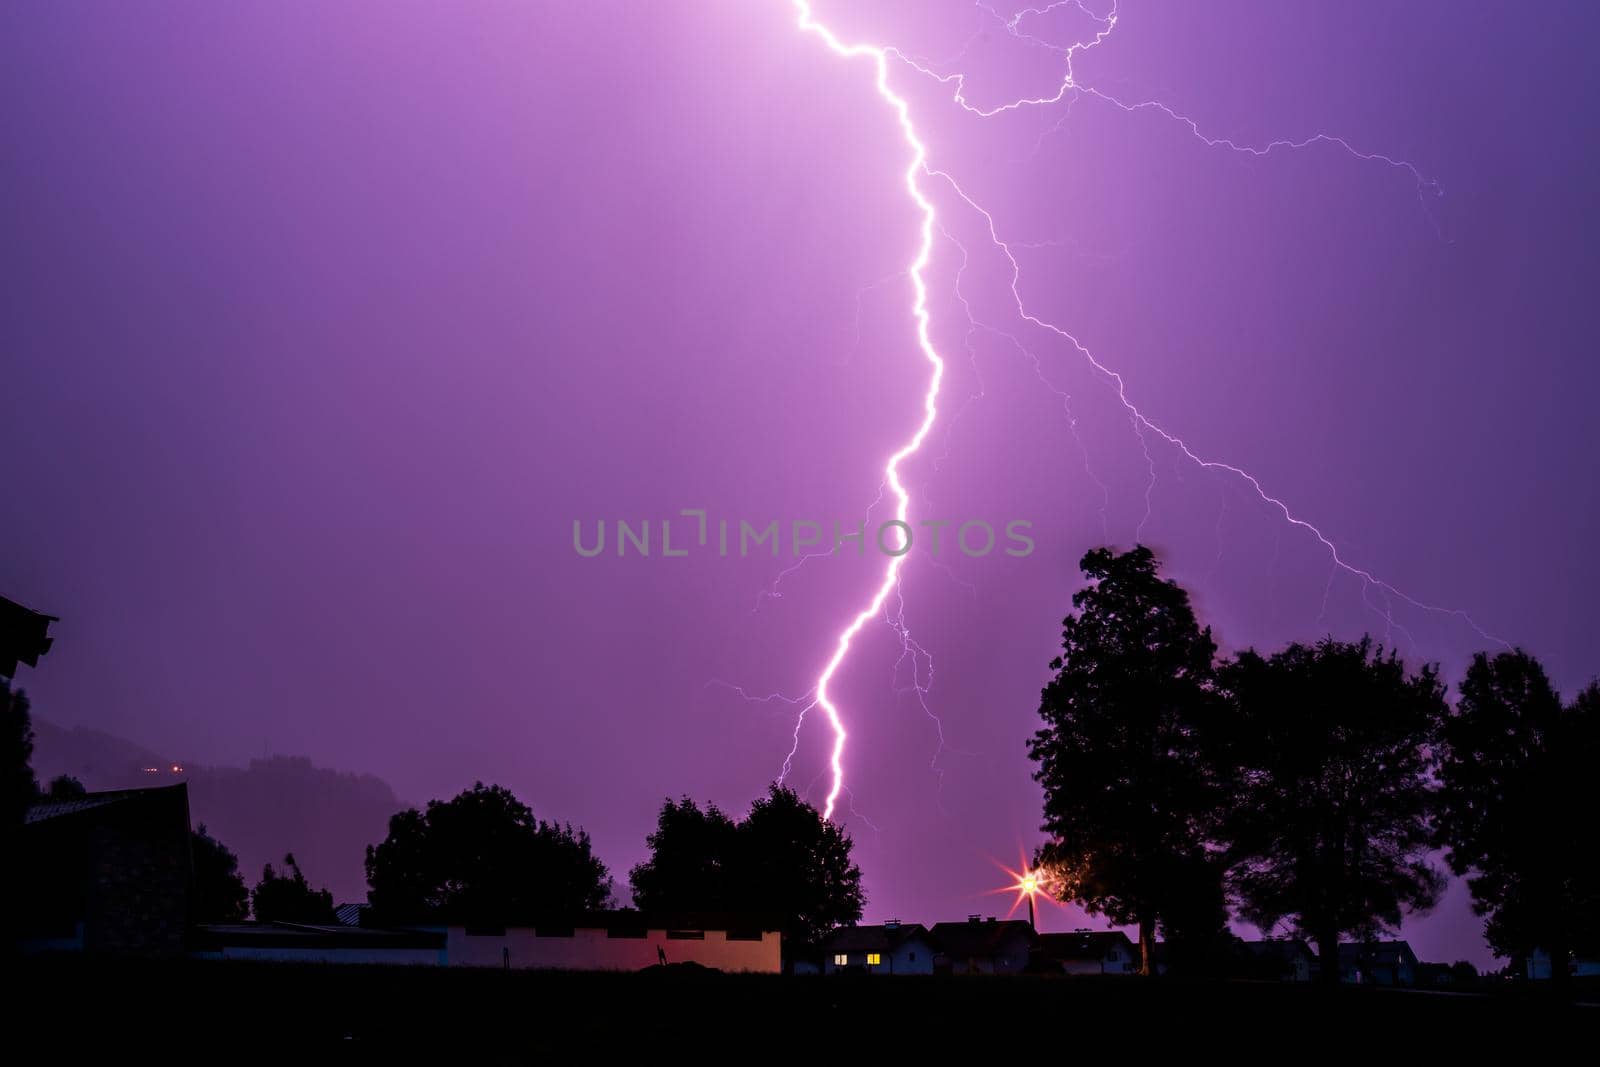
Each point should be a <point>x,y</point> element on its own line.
<point>873,959</point>
<point>840,960</point>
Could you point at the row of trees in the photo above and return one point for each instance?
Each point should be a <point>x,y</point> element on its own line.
<point>220,895</point>
<point>481,858</point>
<point>1311,787</point>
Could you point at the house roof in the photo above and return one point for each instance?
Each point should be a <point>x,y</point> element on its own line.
<point>1386,953</point>
<point>1284,949</point>
<point>57,809</point>
<point>874,938</point>
<point>977,939</point>
<point>1083,944</point>
<point>217,936</point>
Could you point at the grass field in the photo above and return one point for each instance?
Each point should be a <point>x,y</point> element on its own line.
<point>462,1015</point>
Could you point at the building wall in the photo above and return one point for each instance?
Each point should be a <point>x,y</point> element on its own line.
<point>1009,957</point>
<point>911,957</point>
<point>595,950</point>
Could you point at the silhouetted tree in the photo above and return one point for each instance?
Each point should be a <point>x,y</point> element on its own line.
<point>1517,774</point>
<point>1130,795</point>
<point>1194,919</point>
<point>16,753</point>
<point>482,858</point>
<point>797,864</point>
<point>1330,825</point>
<point>220,895</point>
<point>64,787</point>
<point>783,859</point>
<point>692,865</point>
<point>288,897</point>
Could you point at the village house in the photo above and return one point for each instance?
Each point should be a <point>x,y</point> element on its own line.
<point>1087,952</point>
<point>1389,963</point>
<point>892,948</point>
<point>983,946</point>
<point>106,873</point>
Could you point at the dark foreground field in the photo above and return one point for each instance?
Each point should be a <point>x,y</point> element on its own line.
<point>311,1012</point>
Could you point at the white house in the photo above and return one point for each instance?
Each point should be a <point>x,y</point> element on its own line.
<point>1536,966</point>
<point>622,941</point>
<point>1089,952</point>
<point>892,948</point>
<point>984,946</point>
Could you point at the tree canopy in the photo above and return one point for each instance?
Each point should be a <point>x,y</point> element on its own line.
<point>783,859</point>
<point>1130,795</point>
<point>1329,827</point>
<point>482,857</point>
<point>288,897</point>
<point>1517,771</point>
<point>220,895</point>
<point>16,753</point>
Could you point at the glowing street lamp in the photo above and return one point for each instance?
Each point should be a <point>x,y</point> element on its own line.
<point>1029,885</point>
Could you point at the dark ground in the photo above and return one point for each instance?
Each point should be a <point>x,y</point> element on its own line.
<point>230,1010</point>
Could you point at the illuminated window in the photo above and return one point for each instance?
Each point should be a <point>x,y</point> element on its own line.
<point>873,959</point>
<point>840,960</point>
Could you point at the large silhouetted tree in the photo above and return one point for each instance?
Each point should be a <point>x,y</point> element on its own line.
<point>693,861</point>
<point>1330,827</point>
<point>220,895</point>
<point>1518,776</point>
<point>482,858</point>
<point>783,859</point>
<point>288,897</point>
<point>1130,794</point>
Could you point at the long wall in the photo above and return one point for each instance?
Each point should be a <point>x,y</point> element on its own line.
<point>587,949</point>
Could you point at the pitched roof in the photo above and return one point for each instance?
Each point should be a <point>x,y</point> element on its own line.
<point>882,938</point>
<point>1083,944</point>
<point>1284,949</point>
<point>56,809</point>
<point>977,939</point>
<point>1379,952</point>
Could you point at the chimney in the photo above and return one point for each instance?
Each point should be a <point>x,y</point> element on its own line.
<point>990,919</point>
<point>892,924</point>
<point>974,919</point>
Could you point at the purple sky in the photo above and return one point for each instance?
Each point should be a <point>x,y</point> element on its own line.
<point>321,323</point>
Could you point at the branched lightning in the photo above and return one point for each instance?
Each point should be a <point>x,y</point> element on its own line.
<point>1069,90</point>
<point>919,309</point>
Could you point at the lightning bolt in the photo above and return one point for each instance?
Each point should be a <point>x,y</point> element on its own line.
<point>1069,90</point>
<point>930,401</point>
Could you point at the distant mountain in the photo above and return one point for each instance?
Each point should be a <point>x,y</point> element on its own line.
<point>275,805</point>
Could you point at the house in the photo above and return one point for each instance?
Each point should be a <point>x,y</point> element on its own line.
<point>106,873</point>
<point>892,948</point>
<point>622,940</point>
<point>1536,966</point>
<point>1087,952</point>
<point>1279,960</point>
<point>317,943</point>
<point>1378,963</point>
<point>983,946</point>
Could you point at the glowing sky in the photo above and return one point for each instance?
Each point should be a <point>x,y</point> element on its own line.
<point>323,322</point>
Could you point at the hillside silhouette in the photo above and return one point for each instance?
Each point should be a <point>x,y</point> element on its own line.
<point>276,805</point>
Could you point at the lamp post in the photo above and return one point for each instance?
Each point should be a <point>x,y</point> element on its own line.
<point>1029,886</point>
